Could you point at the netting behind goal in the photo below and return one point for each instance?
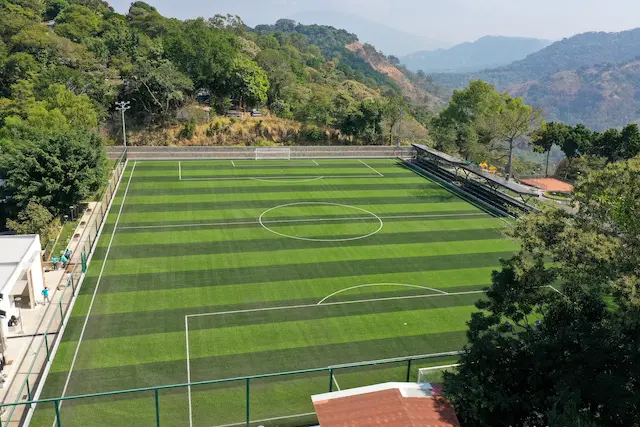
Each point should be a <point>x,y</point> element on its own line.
<point>433,374</point>
<point>272,153</point>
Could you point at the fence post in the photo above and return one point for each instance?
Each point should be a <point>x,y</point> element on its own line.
<point>157,408</point>
<point>46,345</point>
<point>248,404</point>
<point>57,405</point>
<point>61,311</point>
<point>90,244</point>
<point>330,380</point>
<point>408,370</point>
<point>28,389</point>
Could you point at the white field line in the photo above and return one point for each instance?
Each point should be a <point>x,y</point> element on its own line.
<point>283,221</point>
<point>234,165</point>
<point>290,307</point>
<point>556,289</point>
<point>335,381</point>
<point>95,291</point>
<point>298,165</point>
<point>361,161</point>
<point>180,171</point>
<point>238,178</point>
<point>380,284</point>
<point>186,328</point>
<point>314,161</point>
<point>306,414</point>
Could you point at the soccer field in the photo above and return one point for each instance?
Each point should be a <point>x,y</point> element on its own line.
<point>211,269</point>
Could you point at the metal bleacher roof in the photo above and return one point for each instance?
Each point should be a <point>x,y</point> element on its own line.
<point>492,179</point>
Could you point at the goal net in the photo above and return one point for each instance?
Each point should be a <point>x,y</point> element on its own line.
<point>433,374</point>
<point>273,153</point>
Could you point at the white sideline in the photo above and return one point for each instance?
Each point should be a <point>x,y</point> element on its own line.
<point>278,221</point>
<point>314,161</point>
<point>95,291</point>
<point>180,171</point>
<point>361,161</point>
<point>335,381</point>
<point>186,328</point>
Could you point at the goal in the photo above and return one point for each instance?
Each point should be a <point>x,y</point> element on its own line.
<point>433,374</point>
<point>273,153</point>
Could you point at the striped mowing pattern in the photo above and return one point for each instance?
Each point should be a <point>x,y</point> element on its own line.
<point>202,244</point>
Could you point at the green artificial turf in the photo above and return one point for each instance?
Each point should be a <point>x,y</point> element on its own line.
<point>395,260</point>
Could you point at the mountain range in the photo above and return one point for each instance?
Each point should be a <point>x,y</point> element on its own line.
<point>582,50</point>
<point>386,39</point>
<point>486,52</point>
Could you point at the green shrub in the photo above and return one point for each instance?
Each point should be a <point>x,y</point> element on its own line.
<point>188,131</point>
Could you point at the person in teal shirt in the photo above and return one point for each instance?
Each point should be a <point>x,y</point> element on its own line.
<point>45,294</point>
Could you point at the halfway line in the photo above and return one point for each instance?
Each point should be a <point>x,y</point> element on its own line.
<point>283,221</point>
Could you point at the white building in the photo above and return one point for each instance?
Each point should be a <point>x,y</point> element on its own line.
<point>21,275</point>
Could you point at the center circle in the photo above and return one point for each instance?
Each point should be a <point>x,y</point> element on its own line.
<point>262,221</point>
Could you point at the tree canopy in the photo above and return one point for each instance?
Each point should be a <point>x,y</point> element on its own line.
<point>556,342</point>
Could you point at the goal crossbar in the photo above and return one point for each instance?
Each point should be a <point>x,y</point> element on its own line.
<point>273,153</point>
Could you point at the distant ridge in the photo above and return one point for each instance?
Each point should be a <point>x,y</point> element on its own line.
<point>486,52</point>
<point>384,38</point>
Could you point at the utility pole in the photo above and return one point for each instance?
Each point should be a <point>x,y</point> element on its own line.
<point>400,126</point>
<point>123,106</point>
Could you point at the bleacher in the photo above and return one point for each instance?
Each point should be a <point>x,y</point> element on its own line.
<point>494,192</point>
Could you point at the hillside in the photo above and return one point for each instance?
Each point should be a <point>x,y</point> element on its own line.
<point>582,50</point>
<point>486,52</point>
<point>389,40</point>
<point>601,96</point>
<point>382,64</point>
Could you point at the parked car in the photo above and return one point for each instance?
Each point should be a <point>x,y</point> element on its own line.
<point>256,113</point>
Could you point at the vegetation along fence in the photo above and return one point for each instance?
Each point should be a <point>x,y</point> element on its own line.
<point>160,408</point>
<point>35,365</point>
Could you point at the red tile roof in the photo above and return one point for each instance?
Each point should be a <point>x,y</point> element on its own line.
<point>549,184</point>
<point>387,407</point>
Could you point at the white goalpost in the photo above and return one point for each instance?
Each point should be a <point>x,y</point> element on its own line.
<point>273,153</point>
<point>433,374</point>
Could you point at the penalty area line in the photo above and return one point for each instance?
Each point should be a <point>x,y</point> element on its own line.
<point>361,161</point>
<point>292,307</point>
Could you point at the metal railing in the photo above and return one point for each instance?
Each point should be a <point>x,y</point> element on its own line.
<point>38,354</point>
<point>407,370</point>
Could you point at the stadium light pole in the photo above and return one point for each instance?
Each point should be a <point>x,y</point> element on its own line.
<point>123,106</point>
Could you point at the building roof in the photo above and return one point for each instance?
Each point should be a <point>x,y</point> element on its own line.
<point>13,250</point>
<point>390,404</point>
<point>550,184</point>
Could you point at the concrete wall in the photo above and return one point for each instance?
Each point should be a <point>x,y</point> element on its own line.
<point>317,152</point>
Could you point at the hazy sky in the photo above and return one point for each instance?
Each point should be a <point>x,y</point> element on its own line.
<point>447,20</point>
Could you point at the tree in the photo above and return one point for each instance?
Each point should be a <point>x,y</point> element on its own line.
<point>249,83</point>
<point>393,60</point>
<point>517,120</point>
<point>539,357</point>
<point>472,117</point>
<point>54,170</point>
<point>156,89</point>
<point>392,113</point>
<point>77,23</point>
<point>547,136</point>
<point>205,54</point>
<point>35,219</point>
